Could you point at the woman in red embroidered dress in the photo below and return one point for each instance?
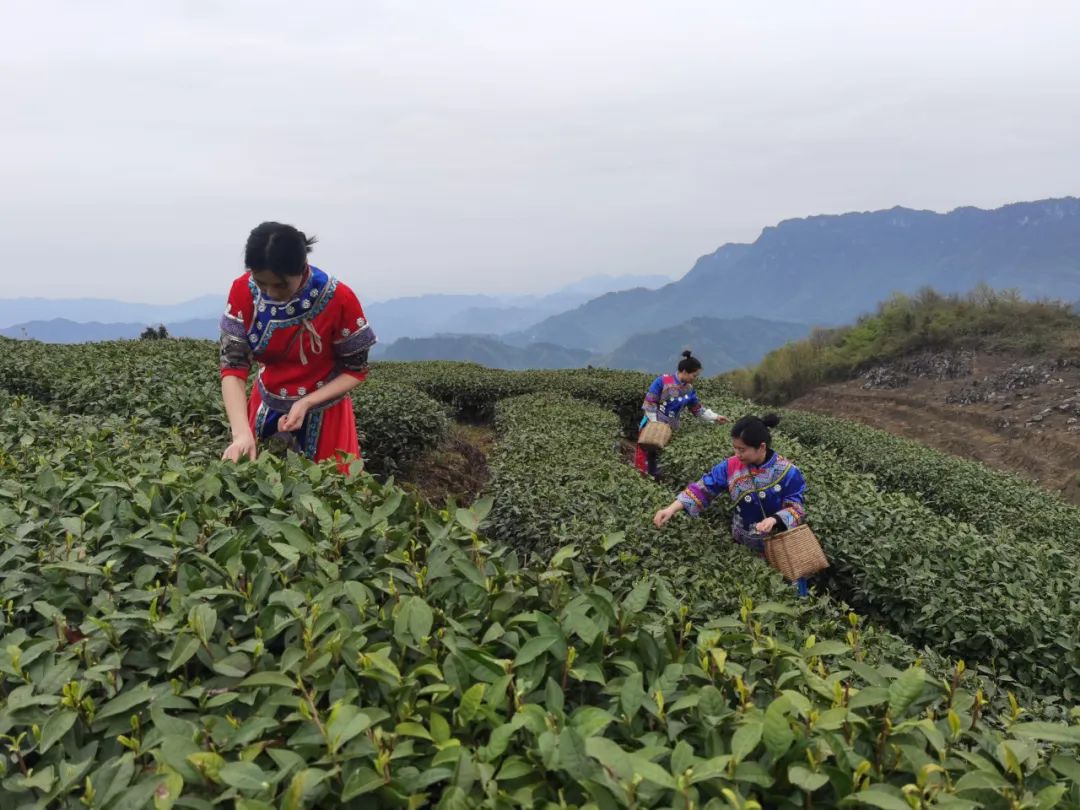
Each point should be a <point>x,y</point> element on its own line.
<point>308,334</point>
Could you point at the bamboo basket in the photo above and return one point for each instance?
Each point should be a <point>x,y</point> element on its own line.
<point>655,436</point>
<point>795,553</point>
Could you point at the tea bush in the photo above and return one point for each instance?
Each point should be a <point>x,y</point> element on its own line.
<point>963,489</point>
<point>174,381</point>
<point>553,487</point>
<point>178,632</point>
<point>174,384</point>
<point>1011,605</point>
<point>472,391</point>
<point>397,424</point>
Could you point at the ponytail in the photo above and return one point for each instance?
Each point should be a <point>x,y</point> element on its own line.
<point>689,363</point>
<point>754,430</point>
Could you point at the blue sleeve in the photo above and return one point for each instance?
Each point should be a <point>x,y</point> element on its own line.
<point>793,508</point>
<point>697,497</point>
<point>694,404</point>
<point>652,398</point>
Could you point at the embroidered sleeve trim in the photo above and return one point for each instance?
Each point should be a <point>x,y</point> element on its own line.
<point>359,341</point>
<point>233,353</point>
<point>694,499</point>
<point>233,327</point>
<point>792,514</point>
<point>356,363</point>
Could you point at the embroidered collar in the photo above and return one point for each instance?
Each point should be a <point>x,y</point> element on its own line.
<point>271,315</point>
<point>745,478</point>
<point>770,461</point>
<point>304,285</point>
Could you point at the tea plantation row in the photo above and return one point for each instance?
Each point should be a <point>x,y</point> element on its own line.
<point>274,635</point>
<point>557,479</point>
<point>997,600</point>
<point>989,500</point>
<point>172,384</point>
<point>181,633</point>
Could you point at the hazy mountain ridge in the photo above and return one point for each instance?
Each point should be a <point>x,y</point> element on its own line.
<point>59,320</point>
<point>828,269</point>
<point>721,345</point>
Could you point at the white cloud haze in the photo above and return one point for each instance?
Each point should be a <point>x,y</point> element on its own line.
<point>506,147</point>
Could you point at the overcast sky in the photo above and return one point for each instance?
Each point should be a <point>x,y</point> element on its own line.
<point>502,146</point>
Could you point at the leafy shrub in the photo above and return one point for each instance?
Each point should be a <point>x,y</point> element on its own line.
<point>557,480</point>
<point>397,424</point>
<point>994,599</point>
<point>185,634</point>
<point>173,382</point>
<point>989,500</point>
<point>984,319</point>
<point>469,390</point>
<point>472,391</point>
<point>174,385</point>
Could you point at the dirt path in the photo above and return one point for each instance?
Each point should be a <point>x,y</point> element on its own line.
<point>457,468</point>
<point>1032,430</point>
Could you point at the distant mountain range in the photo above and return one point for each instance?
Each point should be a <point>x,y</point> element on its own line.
<point>488,351</point>
<point>428,315</point>
<point>106,312</point>
<point>62,330</point>
<point>732,307</point>
<point>827,270</point>
<point>721,345</point>
<point>85,319</point>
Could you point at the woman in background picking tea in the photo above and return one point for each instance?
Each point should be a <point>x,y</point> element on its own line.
<point>668,395</point>
<point>766,488</point>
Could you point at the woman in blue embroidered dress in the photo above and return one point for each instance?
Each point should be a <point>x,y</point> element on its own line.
<point>667,396</point>
<point>766,488</point>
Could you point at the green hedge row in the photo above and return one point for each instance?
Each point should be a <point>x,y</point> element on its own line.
<point>473,391</point>
<point>174,384</point>
<point>1010,605</point>
<point>557,479</point>
<point>967,490</point>
<point>181,633</point>
<point>397,424</point>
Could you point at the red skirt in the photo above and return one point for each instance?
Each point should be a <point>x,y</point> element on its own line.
<point>336,431</point>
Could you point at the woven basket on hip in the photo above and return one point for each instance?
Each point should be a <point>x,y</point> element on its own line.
<point>795,553</point>
<point>655,436</point>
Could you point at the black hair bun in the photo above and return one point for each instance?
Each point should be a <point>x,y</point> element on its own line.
<point>688,354</point>
<point>770,420</point>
